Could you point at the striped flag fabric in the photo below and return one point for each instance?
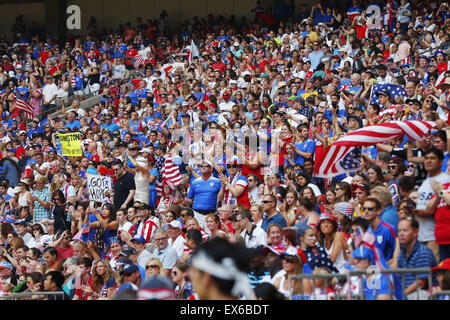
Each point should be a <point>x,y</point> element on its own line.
<point>394,90</point>
<point>344,155</point>
<point>25,107</point>
<point>138,60</point>
<point>170,174</point>
<point>84,230</point>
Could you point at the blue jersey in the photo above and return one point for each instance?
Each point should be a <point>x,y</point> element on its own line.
<point>385,240</point>
<point>204,193</point>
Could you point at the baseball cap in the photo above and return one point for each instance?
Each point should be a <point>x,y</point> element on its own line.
<point>22,132</point>
<point>226,94</point>
<point>129,269</point>
<point>327,216</point>
<point>444,265</point>
<point>145,150</point>
<point>5,114</point>
<point>175,224</point>
<point>139,239</point>
<point>127,252</point>
<point>295,252</point>
<point>383,92</point>
<point>358,119</point>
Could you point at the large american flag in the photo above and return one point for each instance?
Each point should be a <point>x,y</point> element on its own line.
<point>344,155</point>
<point>170,173</point>
<point>25,107</point>
<point>395,91</point>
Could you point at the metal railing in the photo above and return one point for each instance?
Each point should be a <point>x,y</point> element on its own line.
<point>25,295</point>
<point>346,277</point>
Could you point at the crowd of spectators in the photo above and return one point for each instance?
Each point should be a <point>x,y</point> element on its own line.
<point>211,131</point>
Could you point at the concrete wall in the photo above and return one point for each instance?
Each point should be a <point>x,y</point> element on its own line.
<point>111,13</point>
<point>31,12</point>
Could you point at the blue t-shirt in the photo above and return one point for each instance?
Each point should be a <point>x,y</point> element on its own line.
<point>204,193</point>
<point>307,146</point>
<point>72,125</point>
<point>111,127</point>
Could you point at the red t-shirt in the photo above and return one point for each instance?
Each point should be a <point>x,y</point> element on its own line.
<point>64,253</point>
<point>442,217</point>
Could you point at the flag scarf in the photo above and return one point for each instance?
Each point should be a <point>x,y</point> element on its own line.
<point>344,155</point>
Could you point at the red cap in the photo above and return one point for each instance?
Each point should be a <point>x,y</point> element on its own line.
<point>226,94</point>
<point>444,265</point>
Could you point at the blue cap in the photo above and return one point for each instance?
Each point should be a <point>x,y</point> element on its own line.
<point>139,239</point>
<point>158,115</point>
<point>129,269</point>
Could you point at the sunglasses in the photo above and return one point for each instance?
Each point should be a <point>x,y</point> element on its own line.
<point>231,166</point>
<point>393,167</point>
<point>152,266</point>
<point>288,259</point>
<point>174,273</point>
<point>266,201</point>
<point>368,208</point>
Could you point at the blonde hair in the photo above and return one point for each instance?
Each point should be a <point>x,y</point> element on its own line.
<point>159,264</point>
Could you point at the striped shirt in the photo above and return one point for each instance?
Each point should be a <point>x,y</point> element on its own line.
<point>420,257</point>
<point>40,212</point>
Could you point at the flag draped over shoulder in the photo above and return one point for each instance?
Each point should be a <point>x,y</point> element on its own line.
<point>344,155</point>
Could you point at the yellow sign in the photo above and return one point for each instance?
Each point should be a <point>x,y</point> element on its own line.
<point>71,144</point>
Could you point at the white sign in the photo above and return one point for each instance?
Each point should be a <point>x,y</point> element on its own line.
<point>98,186</point>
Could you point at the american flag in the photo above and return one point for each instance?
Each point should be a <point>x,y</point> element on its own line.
<point>170,174</point>
<point>394,90</point>
<point>358,237</point>
<point>25,107</point>
<point>345,84</point>
<point>84,230</point>
<point>223,55</point>
<point>138,60</point>
<point>343,155</point>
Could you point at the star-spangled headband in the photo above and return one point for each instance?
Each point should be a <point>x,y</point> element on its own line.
<point>226,270</point>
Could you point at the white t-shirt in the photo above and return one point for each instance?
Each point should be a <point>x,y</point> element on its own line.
<point>48,92</point>
<point>41,167</point>
<point>427,224</point>
<point>226,106</point>
<point>178,245</point>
